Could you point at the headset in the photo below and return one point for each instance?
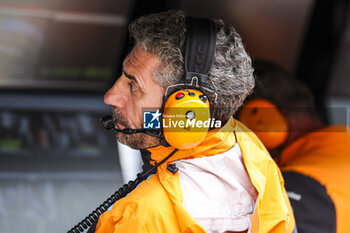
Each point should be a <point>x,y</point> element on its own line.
<point>187,101</point>
<point>266,120</point>
<point>190,100</point>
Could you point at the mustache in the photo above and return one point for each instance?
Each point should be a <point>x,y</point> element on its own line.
<point>118,116</point>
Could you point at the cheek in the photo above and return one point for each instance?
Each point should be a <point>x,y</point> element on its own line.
<point>139,117</point>
<point>144,102</point>
<point>152,102</point>
<point>135,112</point>
<point>156,99</point>
<point>141,106</point>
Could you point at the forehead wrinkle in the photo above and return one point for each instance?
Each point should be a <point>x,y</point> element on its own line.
<point>134,77</point>
<point>153,64</point>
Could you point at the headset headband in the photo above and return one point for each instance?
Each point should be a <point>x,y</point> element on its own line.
<point>200,49</point>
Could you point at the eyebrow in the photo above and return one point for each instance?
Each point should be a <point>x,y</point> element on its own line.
<point>129,76</point>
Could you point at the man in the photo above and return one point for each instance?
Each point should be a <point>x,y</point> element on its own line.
<point>227,183</point>
<point>314,158</point>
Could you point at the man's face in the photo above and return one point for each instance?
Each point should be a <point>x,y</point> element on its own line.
<point>134,90</point>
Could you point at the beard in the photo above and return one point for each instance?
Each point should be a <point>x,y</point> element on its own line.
<point>137,140</point>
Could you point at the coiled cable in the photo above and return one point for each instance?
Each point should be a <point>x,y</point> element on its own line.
<point>89,220</point>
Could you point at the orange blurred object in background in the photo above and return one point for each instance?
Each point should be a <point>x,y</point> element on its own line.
<point>266,121</point>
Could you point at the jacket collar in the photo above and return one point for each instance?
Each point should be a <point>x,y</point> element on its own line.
<point>217,141</point>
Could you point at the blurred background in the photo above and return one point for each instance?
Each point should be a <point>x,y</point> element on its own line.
<point>57,58</point>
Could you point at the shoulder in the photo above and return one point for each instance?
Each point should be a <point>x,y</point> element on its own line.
<point>149,195</point>
<point>137,211</point>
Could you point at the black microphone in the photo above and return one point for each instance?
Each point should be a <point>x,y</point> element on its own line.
<point>108,123</point>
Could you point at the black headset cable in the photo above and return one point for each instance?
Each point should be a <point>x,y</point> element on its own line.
<point>122,192</point>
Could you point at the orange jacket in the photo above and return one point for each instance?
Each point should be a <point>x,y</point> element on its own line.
<point>156,205</point>
<point>324,155</point>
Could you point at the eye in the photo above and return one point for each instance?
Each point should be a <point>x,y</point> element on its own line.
<point>132,86</point>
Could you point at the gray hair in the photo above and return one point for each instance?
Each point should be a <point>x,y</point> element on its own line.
<point>164,34</point>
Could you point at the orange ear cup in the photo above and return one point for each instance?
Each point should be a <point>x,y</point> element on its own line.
<point>266,121</point>
<point>177,110</point>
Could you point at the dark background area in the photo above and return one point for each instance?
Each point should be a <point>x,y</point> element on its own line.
<point>57,59</point>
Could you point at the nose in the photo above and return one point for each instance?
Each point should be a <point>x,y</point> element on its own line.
<point>116,96</point>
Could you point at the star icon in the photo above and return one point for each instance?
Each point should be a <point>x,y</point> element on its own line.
<point>155,115</point>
